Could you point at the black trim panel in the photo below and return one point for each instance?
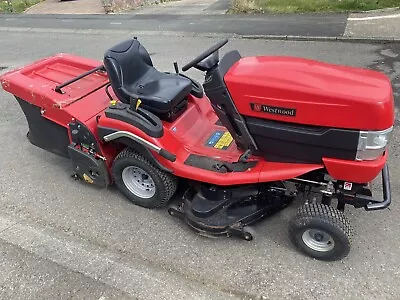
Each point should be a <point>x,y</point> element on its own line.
<point>44,133</point>
<point>141,118</point>
<point>285,142</point>
<point>88,168</point>
<point>222,103</point>
<point>219,166</point>
<point>81,135</point>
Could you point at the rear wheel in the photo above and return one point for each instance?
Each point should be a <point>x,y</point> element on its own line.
<point>142,182</point>
<point>321,231</point>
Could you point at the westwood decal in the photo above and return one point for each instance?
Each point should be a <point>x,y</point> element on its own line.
<point>283,111</point>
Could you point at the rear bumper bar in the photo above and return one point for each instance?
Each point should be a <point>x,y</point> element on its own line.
<point>370,203</point>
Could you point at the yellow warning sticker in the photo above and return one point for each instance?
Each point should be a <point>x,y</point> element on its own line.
<point>87,178</point>
<point>220,140</point>
<point>224,141</point>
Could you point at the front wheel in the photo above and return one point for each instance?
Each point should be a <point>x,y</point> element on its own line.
<point>142,182</point>
<point>321,231</point>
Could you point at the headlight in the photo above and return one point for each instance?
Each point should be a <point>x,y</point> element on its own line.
<point>372,144</point>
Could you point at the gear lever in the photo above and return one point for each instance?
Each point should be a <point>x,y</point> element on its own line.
<point>176,67</point>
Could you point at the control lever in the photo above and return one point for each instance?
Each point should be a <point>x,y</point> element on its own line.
<point>176,67</point>
<point>245,156</point>
<point>218,167</point>
<point>135,103</point>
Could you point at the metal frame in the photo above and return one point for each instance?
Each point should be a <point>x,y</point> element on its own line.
<point>64,84</point>
<point>370,203</point>
<point>120,134</point>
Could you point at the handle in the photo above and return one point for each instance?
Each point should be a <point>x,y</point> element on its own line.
<point>167,155</point>
<point>387,197</point>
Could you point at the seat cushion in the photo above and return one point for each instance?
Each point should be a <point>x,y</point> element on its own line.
<point>160,92</point>
<point>132,74</point>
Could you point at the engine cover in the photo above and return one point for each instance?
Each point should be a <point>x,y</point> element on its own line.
<point>310,92</point>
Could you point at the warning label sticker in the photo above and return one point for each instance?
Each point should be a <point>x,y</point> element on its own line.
<point>220,140</point>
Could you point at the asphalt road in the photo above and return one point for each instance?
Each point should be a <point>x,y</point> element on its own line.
<point>61,237</point>
<point>307,25</point>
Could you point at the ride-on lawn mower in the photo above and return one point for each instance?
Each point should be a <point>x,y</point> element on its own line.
<point>260,132</point>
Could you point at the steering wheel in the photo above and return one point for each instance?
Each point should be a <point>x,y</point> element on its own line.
<point>204,55</point>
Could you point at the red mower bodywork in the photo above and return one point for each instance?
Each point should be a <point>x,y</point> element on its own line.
<point>355,98</point>
<point>293,99</point>
<point>85,100</point>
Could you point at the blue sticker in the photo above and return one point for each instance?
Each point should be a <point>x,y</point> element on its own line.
<point>214,138</point>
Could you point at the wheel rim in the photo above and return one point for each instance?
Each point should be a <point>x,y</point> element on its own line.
<point>138,182</point>
<point>318,240</point>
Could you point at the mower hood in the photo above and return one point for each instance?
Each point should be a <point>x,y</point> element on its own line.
<point>310,92</point>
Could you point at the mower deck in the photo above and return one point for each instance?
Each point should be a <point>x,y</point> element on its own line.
<point>213,211</point>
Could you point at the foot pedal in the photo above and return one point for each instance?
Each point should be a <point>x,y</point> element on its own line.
<point>245,156</point>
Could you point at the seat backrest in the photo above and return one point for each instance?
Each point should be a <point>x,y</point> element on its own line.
<point>125,64</point>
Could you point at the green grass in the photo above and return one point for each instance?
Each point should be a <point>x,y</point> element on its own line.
<point>16,6</point>
<point>301,6</point>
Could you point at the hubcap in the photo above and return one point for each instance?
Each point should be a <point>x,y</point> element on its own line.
<point>138,182</point>
<point>318,240</point>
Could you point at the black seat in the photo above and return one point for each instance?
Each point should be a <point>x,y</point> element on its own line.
<point>131,73</point>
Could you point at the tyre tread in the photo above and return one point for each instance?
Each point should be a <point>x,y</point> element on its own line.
<point>326,214</point>
<point>170,182</point>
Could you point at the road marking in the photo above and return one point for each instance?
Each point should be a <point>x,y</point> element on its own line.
<point>192,34</point>
<point>115,23</point>
<point>389,53</point>
<point>374,18</point>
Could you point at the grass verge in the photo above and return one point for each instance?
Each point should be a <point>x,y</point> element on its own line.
<point>16,6</point>
<point>301,6</point>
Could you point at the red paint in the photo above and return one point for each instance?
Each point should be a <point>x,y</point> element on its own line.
<point>355,171</point>
<point>284,82</point>
<point>189,134</point>
<point>36,82</point>
<point>323,94</point>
